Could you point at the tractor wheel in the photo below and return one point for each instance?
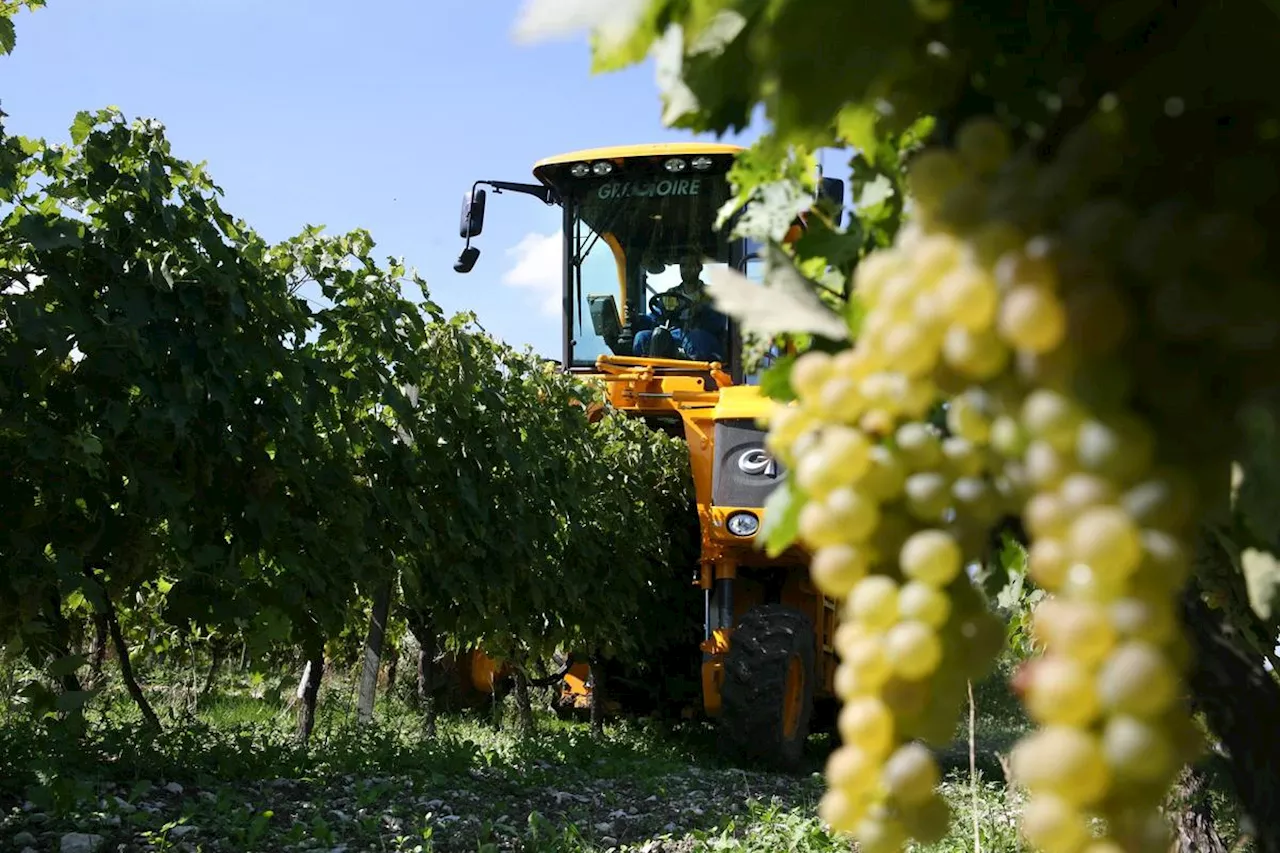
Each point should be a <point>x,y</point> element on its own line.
<point>767,695</point>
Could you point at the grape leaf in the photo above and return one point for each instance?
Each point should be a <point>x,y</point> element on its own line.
<point>1262,579</point>
<point>786,302</point>
<point>781,524</point>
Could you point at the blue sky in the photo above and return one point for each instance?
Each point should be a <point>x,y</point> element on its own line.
<point>314,112</point>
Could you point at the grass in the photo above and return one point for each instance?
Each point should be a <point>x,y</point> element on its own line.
<point>232,777</point>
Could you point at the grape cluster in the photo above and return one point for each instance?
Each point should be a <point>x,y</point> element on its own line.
<point>1010,295</point>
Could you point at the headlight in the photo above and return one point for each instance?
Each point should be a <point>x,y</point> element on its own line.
<point>701,163</point>
<point>579,170</point>
<point>604,167</point>
<point>743,524</point>
<point>675,164</point>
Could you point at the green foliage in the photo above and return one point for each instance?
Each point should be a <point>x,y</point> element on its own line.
<point>198,449</point>
<point>8,9</point>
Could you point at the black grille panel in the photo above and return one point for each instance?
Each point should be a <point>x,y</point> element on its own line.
<point>745,472</point>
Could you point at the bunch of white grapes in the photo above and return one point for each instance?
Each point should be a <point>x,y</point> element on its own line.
<point>1003,295</point>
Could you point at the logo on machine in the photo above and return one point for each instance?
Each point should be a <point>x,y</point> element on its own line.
<point>646,189</point>
<point>758,463</point>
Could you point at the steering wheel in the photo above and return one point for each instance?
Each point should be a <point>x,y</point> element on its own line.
<point>657,307</point>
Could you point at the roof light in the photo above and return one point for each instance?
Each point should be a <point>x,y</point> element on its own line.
<point>675,164</point>
<point>579,170</point>
<point>702,163</point>
<point>602,168</point>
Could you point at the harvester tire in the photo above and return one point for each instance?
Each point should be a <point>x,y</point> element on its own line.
<point>767,694</point>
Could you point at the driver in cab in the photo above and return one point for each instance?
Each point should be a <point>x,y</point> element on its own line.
<point>695,327</point>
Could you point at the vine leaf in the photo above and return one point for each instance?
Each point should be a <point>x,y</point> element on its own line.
<point>1262,579</point>
<point>784,303</point>
<point>781,523</point>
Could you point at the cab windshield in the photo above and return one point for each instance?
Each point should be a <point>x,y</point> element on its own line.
<point>642,250</point>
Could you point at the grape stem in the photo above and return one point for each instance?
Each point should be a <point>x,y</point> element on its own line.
<point>973,771</point>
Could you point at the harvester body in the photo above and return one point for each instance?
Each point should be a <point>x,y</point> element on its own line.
<point>639,225</point>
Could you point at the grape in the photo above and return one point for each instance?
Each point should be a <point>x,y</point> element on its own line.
<point>1047,563</point>
<point>1060,690</point>
<point>1079,629</point>
<point>1137,679</point>
<point>969,416</point>
<point>846,516</point>
<point>928,496</point>
<point>960,457</point>
<point>911,774</point>
<point>1162,502</point>
<point>874,602</point>
<point>919,446</point>
<point>880,834</point>
<point>1052,825</point>
<point>1164,564</point>
<point>1106,539</point>
<point>931,557</point>
<point>906,698</point>
<point>856,513</point>
<point>816,475</point>
<point>841,399</point>
<point>852,770</point>
<point>1081,491</point>
<point>923,603</point>
<point>1032,319</point>
<point>869,277</point>
<point>910,349</point>
<point>983,144</point>
<point>1097,319</point>
<point>975,498</point>
<point>1046,514</point>
<point>1026,267</point>
<point>913,649</point>
<point>865,722</point>
<point>1136,749</point>
<point>866,659</point>
<point>885,475</point>
<point>1064,761</point>
<point>809,373</point>
<point>975,355</point>
<point>928,821</point>
<point>933,174</point>
<point>836,568</point>
<point>1139,619</point>
<point>1052,417</point>
<point>969,297</point>
<point>1046,467</point>
<point>846,450</point>
<point>839,810</point>
<point>1120,450</point>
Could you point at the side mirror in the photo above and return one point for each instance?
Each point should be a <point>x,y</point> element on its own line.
<point>466,260</point>
<point>832,189</point>
<point>472,215</point>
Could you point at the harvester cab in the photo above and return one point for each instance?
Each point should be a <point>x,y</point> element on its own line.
<point>640,244</point>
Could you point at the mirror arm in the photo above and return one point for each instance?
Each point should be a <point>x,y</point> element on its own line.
<point>546,194</point>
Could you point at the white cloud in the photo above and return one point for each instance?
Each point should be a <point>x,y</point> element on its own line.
<point>543,20</point>
<point>538,267</point>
